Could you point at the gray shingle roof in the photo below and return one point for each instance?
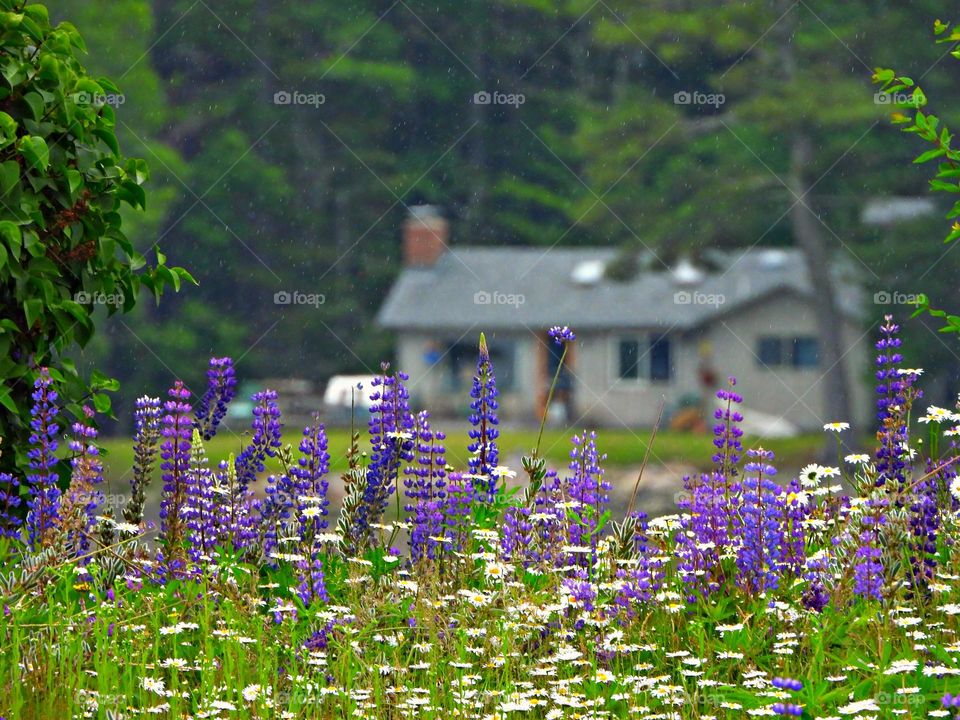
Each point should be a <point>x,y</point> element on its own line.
<point>536,290</point>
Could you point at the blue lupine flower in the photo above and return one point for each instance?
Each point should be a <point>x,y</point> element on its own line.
<point>760,558</point>
<point>175,453</point>
<point>561,334</point>
<point>200,509</point>
<point>425,488</point>
<point>267,430</point>
<point>44,501</point>
<point>896,395</point>
<point>391,438</point>
<point>147,421</point>
<point>212,408</point>
<point>588,489</point>
<point>86,474</point>
<point>484,454</point>
<point>868,568</point>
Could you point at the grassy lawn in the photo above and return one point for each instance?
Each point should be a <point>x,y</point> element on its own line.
<point>623,448</point>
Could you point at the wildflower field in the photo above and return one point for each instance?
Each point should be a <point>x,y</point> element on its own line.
<point>760,596</point>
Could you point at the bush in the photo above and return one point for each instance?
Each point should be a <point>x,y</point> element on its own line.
<point>63,253</point>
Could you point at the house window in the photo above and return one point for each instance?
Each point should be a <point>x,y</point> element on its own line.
<point>797,352</point>
<point>644,358</point>
<point>660,358</point>
<point>461,362</point>
<point>769,351</point>
<point>806,353</point>
<point>629,359</point>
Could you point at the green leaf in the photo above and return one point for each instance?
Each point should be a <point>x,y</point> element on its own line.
<point>109,138</point>
<point>35,151</point>
<point>99,381</point>
<point>74,181</point>
<point>9,176</point>
<point>185,275</point>
<point>930,155</point>
<point>8,130</point>
<point>32,309</point>
<point>102,403</point>
<point>941,186</point>
<point>35,102</point>
<point>8,401</point>
<point>10,233</point>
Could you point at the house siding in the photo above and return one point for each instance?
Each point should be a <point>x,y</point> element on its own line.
<point>604,400</point>
<point>797,395</point>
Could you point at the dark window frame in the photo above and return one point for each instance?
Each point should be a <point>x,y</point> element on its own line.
<point>654,358</point>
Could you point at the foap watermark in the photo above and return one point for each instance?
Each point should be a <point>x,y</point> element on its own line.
<point>295,97</point>
<point>686,297</point>
<point>499,98</point>
<point>895,297</point>
<point>895,98</point>
<point>99,99</point>
<point>485,297</point>
<point>295,297</point>
<point>695,97</point>
<point>98,298</point>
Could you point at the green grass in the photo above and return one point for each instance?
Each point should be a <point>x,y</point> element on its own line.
<point>623,448</point>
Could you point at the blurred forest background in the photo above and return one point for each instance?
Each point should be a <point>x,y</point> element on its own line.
<point>256,197</point>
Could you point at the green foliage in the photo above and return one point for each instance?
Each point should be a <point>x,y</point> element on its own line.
<point>63,182</point>
<point>910,100</point>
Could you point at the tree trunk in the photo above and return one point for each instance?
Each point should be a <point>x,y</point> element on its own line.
<point>808,234</point>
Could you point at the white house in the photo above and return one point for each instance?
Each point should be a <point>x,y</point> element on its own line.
<point>663,334</point>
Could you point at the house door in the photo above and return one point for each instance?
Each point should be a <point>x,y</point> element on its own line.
<point>562,406</point>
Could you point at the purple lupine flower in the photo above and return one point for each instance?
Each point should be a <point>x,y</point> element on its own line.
<point>924,521</point>
<point>311,585</point>
<point>300,496</point>
<point>868,568</point>
<point>561,334</point>
<point>588,489</point>
<point>581,590</point>
<point>760,557</point>
<point>787,709</point>
<point>484,432</point>
<point>705,524</point>
<point>310,474</point>
<point>200,509</point>
<point>425,488</point>
<point>391,439</point>
<point>950,701</point>
<point>277,510</point>
<point>896,395</point>
<point>9,502</point>
<point>82,495</point>
<point>267,430</point>
<point>797,510</point>
<point>175,454</point>
<point>535,530</point>
<point>516,539</point>
<point>639,583</point>
<point>727,432</point>
<point>787,684</point>
<point>310,481</point>
<point>44,502</point>
<point>456,510</point>
<point>550,520</point>
<point>213,405</point>
<point>146,419</point>
<point>237,520</point>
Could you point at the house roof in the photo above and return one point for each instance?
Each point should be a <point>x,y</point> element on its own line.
<point>503,288</point>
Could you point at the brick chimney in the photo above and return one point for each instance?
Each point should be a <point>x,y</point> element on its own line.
<point>426,235</point>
